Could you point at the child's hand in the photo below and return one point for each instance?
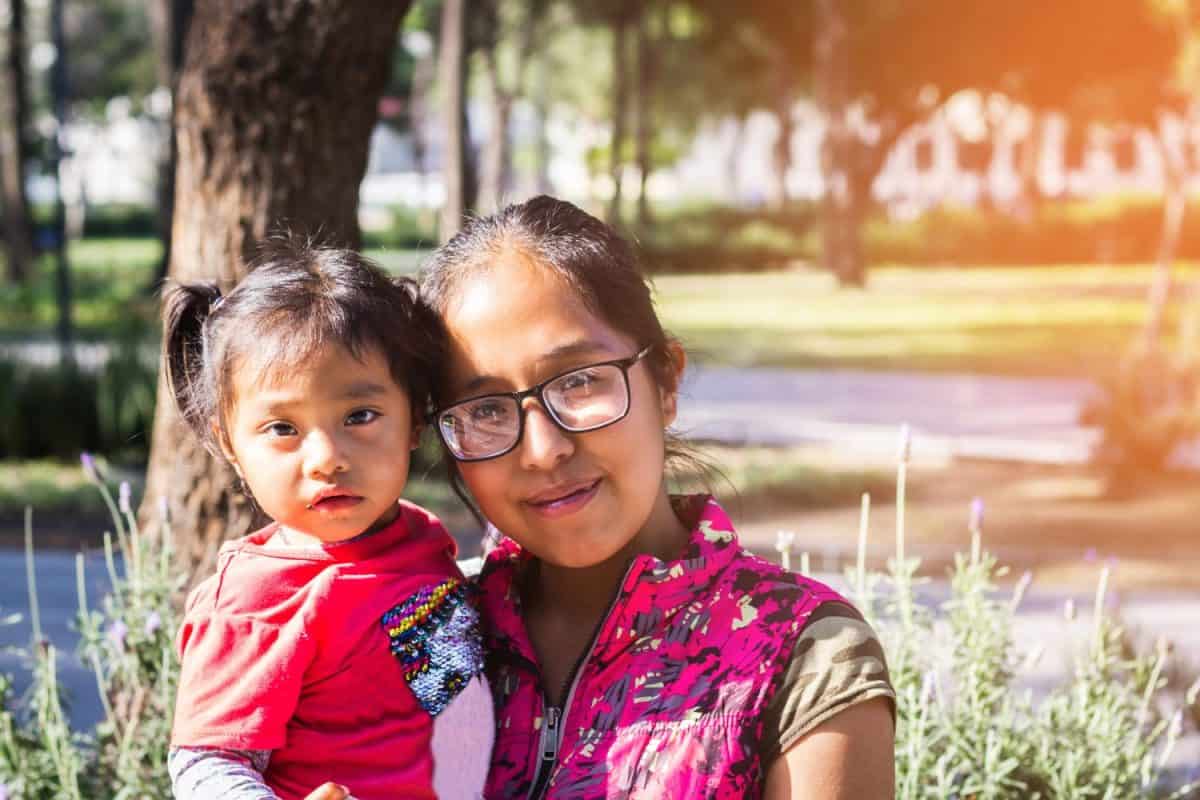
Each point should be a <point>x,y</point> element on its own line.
<point>330,791</point>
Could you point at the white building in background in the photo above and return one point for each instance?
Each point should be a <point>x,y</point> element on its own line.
<point>729,161</point>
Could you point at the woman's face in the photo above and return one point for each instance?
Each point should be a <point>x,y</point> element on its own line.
<point>571,499</point>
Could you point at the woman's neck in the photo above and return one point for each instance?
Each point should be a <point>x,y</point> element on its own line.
<point>585,592</point>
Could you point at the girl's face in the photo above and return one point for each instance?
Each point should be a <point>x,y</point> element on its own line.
<point>571,499</point>
<point>325,448</point>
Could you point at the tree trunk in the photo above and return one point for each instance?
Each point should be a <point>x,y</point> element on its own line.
<point>14,147</point>
<point>493,175</point>
<point>841,205</point>
<point>62,267</point>
<point>276,103</point>
<point>647,72</point>
<point>620,26</point>
<point>1163,284</point>
<point>169,24</point>
<point>451,75</point>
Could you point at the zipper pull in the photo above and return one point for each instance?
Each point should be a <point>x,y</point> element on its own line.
<point>550,740</point>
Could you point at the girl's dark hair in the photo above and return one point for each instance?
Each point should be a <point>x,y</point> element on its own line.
<point>586,254</point>
<point>298,298</point>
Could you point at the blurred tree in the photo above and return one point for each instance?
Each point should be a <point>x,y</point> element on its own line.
<point>14,146</point>
<point>456,143</point>
<point>112,52</point>
<point>276,103</point>
<point>877,67</point>
<point>169,21</point>
<point>510,34</point>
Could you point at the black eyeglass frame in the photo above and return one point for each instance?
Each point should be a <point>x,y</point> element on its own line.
<point>537,390</point>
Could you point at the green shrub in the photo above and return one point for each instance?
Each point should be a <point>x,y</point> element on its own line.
<point>54,412</point>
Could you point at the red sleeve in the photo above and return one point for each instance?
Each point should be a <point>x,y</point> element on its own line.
<point>240,679</point>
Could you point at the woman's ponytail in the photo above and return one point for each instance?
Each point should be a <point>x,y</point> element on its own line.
<point>186,309</point>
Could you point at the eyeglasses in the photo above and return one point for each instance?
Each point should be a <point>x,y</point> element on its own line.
<point>583,399</point>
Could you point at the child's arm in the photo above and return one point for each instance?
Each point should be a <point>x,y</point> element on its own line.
<point>203,773</point>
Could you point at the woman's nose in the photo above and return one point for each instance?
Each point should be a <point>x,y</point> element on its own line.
<point>544,444</point>
<point>323,457</point>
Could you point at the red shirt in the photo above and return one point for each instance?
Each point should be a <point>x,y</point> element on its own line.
<point>285,649</point>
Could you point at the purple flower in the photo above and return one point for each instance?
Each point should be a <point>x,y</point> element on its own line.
<point>89,466</point>
<point>3,791</point>
<point>117,632</point>
<point>153,623</point>
<point>977,514</point>
<point>123,498</point>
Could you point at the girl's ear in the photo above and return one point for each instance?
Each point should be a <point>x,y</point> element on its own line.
<point>417,429</point>
<point>669,395</point>
<point>226,450</point>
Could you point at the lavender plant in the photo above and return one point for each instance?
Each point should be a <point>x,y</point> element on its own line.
<point>965,732</point>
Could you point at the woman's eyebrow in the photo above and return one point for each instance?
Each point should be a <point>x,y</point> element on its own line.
<point>581,347</point>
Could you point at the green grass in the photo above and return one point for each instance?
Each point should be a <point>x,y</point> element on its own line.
<point>1049,320</point>
<point>1053,320</point>
<point>110,278</point>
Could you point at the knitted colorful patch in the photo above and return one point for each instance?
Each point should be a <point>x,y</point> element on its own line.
<point>435,635</point>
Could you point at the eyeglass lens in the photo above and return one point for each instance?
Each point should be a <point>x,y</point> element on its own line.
<point>582,400</point>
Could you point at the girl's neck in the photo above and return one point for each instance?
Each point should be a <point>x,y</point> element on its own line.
<point>586,592</point>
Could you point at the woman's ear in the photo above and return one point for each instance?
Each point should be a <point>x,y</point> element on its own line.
<point>669,394</point>
<point>417,429</point>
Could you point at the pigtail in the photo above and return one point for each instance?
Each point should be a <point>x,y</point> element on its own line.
<point>186,309</point>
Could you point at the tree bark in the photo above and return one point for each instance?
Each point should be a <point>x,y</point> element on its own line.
<point>452,76</point>
<point>620,104</point>
<point>14,147</point>
<point>276,103</point>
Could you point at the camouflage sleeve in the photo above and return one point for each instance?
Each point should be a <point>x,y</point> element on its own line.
<point>837,662</point>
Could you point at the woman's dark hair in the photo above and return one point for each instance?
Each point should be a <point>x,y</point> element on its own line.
<point>298,298</point>
<point>589,256</point>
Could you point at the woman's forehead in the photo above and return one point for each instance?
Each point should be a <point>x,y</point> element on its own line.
<point>513,317</point>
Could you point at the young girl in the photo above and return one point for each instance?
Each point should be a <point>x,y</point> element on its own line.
<point>635,649</point>
<point>338,641</point>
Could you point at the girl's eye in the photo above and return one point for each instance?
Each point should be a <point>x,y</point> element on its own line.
<point>362,417</point>
<point>281,429</point>
<point>577,380</point>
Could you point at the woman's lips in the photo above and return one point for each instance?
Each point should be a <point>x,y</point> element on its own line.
<point>570,501</point>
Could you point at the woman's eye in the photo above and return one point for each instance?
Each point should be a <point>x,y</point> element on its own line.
<point>281,429</point>
<point>577,380</point>
<point>489,411</point>
<point>362,417</point>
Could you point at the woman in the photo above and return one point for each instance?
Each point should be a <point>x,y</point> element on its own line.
<point>634,649</point>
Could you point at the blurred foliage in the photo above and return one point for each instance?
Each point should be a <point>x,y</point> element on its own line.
<point>56,411</point>
<point>1150,406</point>
<point>111,279</point>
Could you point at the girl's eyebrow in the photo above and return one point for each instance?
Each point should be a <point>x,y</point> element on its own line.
<point>361,389</point>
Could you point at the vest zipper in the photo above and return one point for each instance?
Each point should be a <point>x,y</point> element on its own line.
<point>555,717</point>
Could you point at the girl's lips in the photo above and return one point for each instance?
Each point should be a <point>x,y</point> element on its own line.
<point>337,502</point>
<point>567,503</point>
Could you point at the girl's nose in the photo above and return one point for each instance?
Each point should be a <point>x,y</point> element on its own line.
<point>544,444</point>
<point>323,457</point>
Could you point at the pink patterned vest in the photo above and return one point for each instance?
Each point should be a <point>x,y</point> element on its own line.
<point>668,701</point>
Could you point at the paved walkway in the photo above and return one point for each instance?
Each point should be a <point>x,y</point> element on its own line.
<point>1021,419</point>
